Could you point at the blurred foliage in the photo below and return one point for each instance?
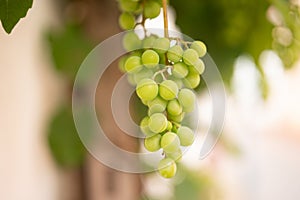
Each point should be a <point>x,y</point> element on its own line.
<point>11,11</point>
<point>68,48</point>
<point>63,140</point>
<point>191,184</point>
<point>234,27</point>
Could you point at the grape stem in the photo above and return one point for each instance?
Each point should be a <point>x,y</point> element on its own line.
<point>165,12</point>
<point>161,72</point>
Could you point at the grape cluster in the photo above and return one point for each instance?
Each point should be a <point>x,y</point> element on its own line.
<point>133,8</point>
<point>164,71</point>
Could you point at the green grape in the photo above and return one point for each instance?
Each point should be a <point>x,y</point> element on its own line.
<point>136,53</point>
<point>121,63</point>
<point>170,142</point>
<point>199,47</point>
<point>180,70</point>
<point>176,118</point>
<point>147,89</point>
<point>158,100</point>
<point>126,21</point>
<point>174,107</point>
<point>170,126</point>
<point>168,89</point>
<point>190,56</point>
<point>139,10</point>
<point>177,81</point>
<point>186,136</point>
<point>192,70</point>
<point>158,105</point>
<point>156,108</point>
<point>158,122</point>
<point>187,99</point>
<point>167,168</point>
<point>174,54</point>
<point>144,127</point>
<point>198,67</point>
<point>150,58</point>
<point>128,5</point>
<point>191,80</point>
<point>142,74</point>
<point>148,41</point>
<point>153,143</point>
<point>133,64</point>
<point>151,9</point>
<point>130,79</point>
<point>161,45</point>
<point>131,41</point>
<point>145,102</point>
<point>176,156</point>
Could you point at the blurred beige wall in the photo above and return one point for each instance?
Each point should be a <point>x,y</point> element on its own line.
<point>29,90</point>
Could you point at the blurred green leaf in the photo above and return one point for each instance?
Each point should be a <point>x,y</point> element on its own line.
<point>228,27</point>
<point>64,141</point>
<point>11,11</point>
<point>193,185</point>
<point>69,48</point>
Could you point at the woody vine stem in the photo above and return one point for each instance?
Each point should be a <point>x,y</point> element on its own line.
<point>165,13</point>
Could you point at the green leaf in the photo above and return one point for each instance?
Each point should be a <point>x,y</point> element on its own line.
<point>69,48</point>
<point>11,11</point>
<point>64,141</point>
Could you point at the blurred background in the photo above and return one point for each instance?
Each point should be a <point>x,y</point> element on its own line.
<point>256,46</point>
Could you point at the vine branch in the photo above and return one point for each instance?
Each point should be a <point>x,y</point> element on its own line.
<point>165,12</point>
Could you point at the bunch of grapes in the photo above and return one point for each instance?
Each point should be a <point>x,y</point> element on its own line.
<point>164,71</point>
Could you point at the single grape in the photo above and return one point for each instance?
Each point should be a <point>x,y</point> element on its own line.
<point>142,74</point>
<point>187,99</point>
<point>144,127</point>
<point>153,143</point>
<point>131,41</point>
<point>180,70</point>
<point>148,41</point>
<point>121,63</point>
<point>130,79</point>
<point>170,126</point>
<point>151,9</point>
<point>128,6</point>
<point>150,58</point>
<point>176,156</point>
<point>156,108</point>
<point>168,89</point>
<point>174,107</point>
<point>133,64</point>
<point>167,168</point>
<point>198,67</point>
<point>174,54</point>
<point>158,100</point>
<point>190,56</point>
<point>147,89</point>
<point>191,80</point>
<point>161,45</point>
<point>158,122</point>
<point>126,21</point>
<point>170,142</point>
<point>157,105</point>
<point>177,81</point>
<point>186,136</point>
<point>136,53</point>
<point>176,118</point>
<point>199,47</point>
